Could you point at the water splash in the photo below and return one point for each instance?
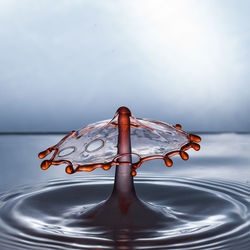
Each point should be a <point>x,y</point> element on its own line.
<point>97,145</point>
<point>107,143</point>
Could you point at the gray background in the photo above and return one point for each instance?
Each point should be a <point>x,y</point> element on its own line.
<point>64,64</point>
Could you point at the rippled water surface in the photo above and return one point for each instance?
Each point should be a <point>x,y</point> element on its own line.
<point>199,204</point>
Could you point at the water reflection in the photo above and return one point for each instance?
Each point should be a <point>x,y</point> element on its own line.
<point>189,213</point>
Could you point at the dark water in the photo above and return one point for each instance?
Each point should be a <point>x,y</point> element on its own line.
<point>199,204</point>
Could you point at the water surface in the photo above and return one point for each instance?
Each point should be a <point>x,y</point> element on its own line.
<point>203,203</point>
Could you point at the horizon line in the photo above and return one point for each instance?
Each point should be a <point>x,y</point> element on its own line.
<point>67,132</point>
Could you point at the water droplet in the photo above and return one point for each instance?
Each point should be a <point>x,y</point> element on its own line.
<point>168,162</point>
<point>195,146</point>
<point>44,153</point>
<point>184,155</point>
<point>178,126</point>
<point>133,173</point>
<point>69,169</point>
<point>195,138</point>
<point>106,167</point>
<point>45,164</point>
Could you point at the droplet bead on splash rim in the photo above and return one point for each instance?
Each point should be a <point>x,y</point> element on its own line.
<point>45,164</point>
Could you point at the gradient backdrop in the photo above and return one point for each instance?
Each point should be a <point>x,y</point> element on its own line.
<point>64,64</point>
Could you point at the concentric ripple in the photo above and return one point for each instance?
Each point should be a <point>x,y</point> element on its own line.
<point>196,214</point>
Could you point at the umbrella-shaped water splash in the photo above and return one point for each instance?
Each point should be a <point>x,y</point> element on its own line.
<point>108,143</point>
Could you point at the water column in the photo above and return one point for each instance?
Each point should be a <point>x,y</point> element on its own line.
<point>124,190</point>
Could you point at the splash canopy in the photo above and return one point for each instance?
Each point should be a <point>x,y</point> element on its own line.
<point>96,145</point>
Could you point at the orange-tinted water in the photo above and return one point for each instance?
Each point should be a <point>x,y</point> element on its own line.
<point>123,120</point>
